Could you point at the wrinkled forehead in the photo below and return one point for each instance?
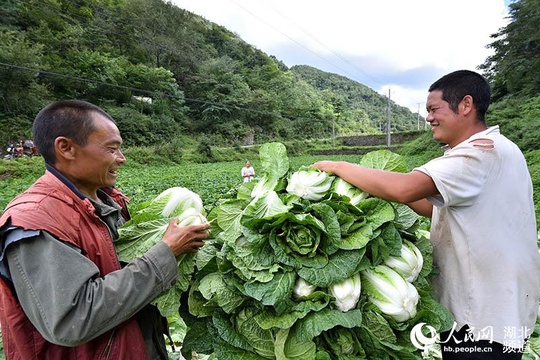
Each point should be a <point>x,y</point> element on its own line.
<point>105,129</point>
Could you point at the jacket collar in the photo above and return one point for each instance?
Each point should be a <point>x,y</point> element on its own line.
<point>65,181</point>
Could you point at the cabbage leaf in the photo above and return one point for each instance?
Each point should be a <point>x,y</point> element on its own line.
<point>147,227</point>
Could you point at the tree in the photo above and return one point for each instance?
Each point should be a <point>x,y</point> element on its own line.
<point>223,94</point>
<point>514,69</point>
<point>21,94</point>
<point>202,78</point>
<point>8,14</point>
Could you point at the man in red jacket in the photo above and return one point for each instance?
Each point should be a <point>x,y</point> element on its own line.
<point>63,292</point>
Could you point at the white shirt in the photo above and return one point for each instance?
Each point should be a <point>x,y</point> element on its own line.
<point>248,173</point>
<point>484,237</point>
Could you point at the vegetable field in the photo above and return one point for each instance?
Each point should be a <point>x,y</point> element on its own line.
<point>143,182</point>
<point>211,181</point>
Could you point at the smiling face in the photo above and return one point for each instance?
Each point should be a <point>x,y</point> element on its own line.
<point>447,126</point>
<point>94,165</point>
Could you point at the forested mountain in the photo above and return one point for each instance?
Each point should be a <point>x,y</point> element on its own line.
<point>358,106</point>
<point>163,72</point>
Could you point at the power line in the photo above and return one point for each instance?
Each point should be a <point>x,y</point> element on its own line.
<point>306,48</point>
<point>149,92</point>
<point>341,57</point>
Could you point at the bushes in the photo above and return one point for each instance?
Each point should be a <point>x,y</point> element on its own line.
<point>162,153</point>
<point>518,119</point>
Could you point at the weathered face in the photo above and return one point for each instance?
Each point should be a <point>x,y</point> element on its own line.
<point>96,163</point>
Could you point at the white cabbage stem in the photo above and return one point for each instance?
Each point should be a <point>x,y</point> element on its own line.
<point>347,293</point>
<point>409,264</point>
<point>303,288</point>
<point>390,292</point>
<point>178,199</point>
<point>191,217</point>
<point>309,184</point>
<point>355,195</point>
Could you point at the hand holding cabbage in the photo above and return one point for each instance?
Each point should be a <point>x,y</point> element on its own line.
<point>185,238</point>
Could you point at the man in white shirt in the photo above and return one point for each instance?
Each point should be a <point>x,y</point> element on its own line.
<point>479,196</point>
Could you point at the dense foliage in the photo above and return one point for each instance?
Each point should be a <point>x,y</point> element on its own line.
<point>357,107</point>
<point>514,69</point>
<point>162,71</point>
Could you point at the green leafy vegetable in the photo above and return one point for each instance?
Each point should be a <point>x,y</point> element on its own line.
<point>173,201</point>
<point>147,227</point>
<point>346,292</point>
<point>309,184</point>
<point>282,277</point>
<point>409,263</point>
<point>303,288</point>
<point>343,188</point>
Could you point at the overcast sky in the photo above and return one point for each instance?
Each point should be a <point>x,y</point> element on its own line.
<point>401,45</point>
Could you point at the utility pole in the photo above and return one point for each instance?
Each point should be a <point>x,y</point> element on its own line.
<point>333,133</point>
<point>388,136</point>
<point>338,116</point>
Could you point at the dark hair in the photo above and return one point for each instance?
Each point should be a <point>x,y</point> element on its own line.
<point>69,118</point>
<point>456,85</point>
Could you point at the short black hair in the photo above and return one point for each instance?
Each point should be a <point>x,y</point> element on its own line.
<point>69,118</point>
<point>456,85</point>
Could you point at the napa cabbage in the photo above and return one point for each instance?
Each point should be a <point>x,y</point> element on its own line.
<point>303,288</point>
<point>264,186</point>
<point>147,227</point>
<point>390,292</point>
<point>266,206</point>
<point>271,283</point>
<point>309,184</point>
<point>346,292</point>
<point>409,263</point>
<point>175,200</point>
<point>191,217</point>
<point>343,188</point>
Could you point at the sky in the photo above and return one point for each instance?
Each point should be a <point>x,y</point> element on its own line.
<point>396,47</point>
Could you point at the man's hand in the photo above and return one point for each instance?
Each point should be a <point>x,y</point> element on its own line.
<point>185,239</point>
<point>325,165</point>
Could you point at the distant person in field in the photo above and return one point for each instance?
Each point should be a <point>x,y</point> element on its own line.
<point>248,172</point>
<point>479,196</point>
<point>63,292</point>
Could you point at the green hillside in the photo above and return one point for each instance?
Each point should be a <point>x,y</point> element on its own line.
<point>359,108</point>
<point>168,75</point>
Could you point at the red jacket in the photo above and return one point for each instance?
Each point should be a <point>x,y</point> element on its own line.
<point>59,211</point>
